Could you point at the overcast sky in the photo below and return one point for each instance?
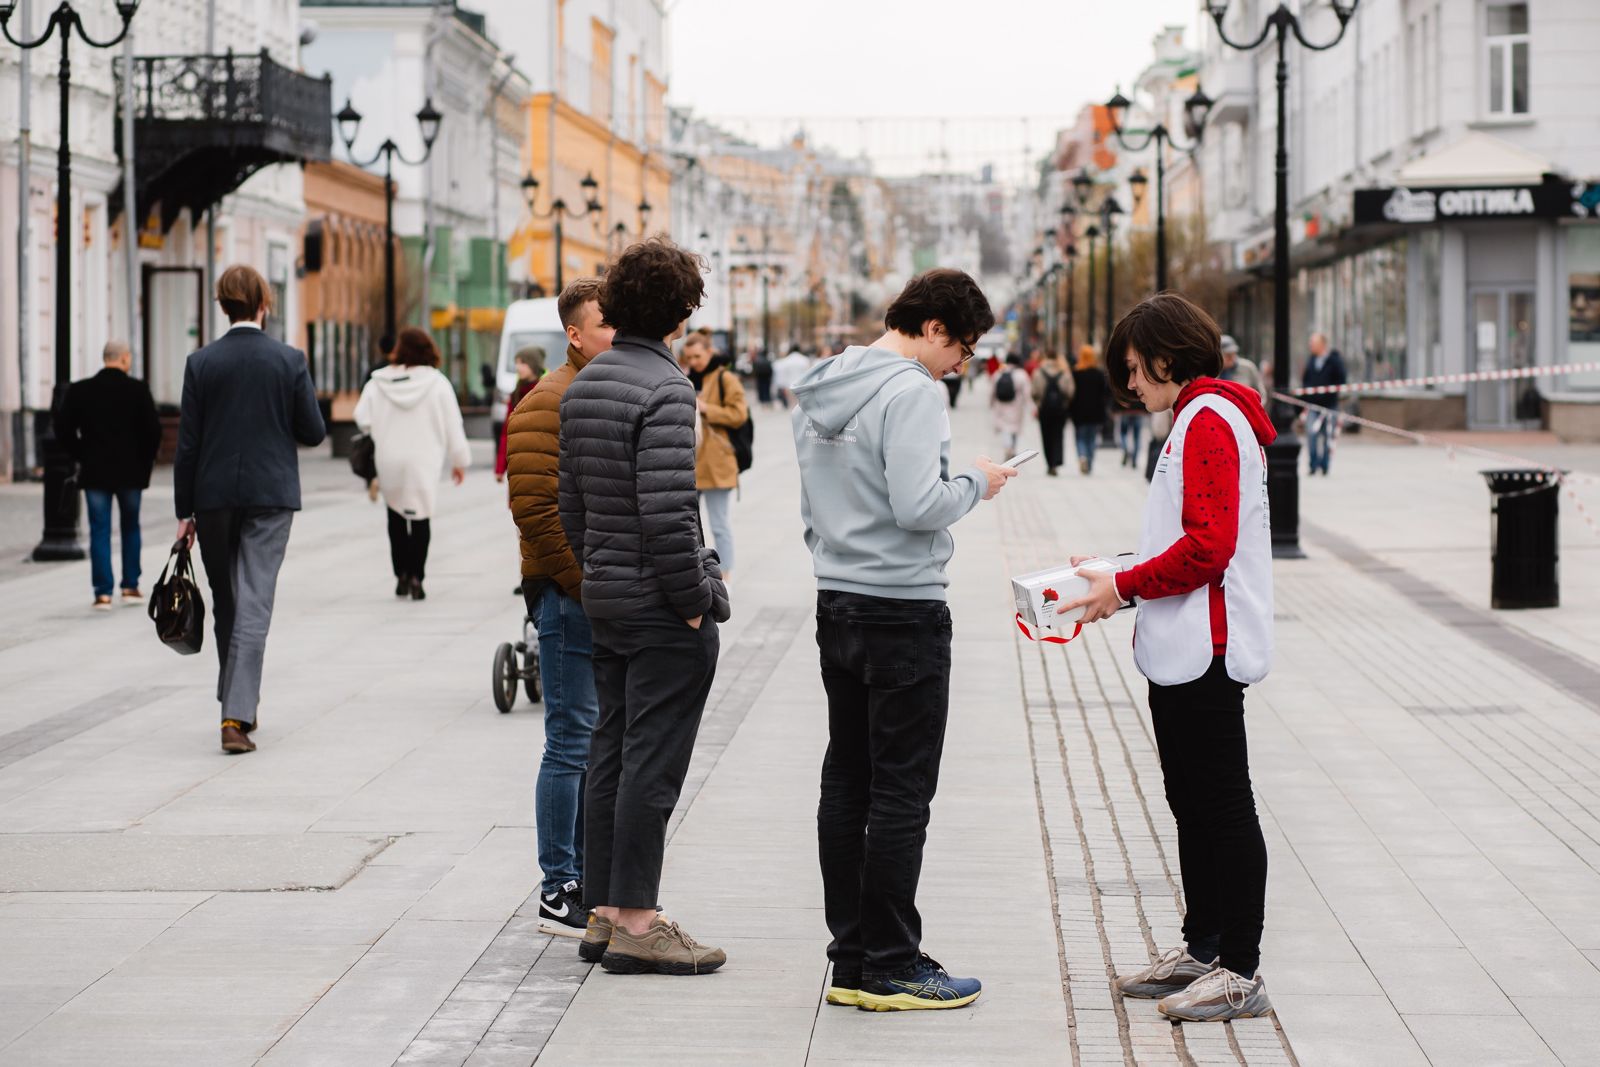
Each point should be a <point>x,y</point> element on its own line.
<point>860,71</point>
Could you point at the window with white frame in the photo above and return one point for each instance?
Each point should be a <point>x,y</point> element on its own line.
<point>1506,59</point>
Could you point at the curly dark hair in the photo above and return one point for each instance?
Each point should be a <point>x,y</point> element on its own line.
<point>1173,338</point>
<point>948,297</point>
<point>416,349</point>
<point>651,288</point>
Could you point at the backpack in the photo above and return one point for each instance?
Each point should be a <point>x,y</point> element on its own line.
<point>1054,400</point>
<point>741,437</point>
<point>1005,388</point>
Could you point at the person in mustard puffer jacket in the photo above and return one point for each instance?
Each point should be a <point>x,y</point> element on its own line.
<point>716,471</point>
<point>552,585</point>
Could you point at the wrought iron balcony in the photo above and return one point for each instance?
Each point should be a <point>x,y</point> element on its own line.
<point>204,124</point>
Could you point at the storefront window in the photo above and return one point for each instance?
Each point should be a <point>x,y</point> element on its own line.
<point>1360,303</point>
<point>1425,357</point>
<point>1583,305</point>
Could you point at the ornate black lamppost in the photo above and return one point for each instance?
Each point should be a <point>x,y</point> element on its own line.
<point>1196,108</point>
<point>559,211</point>
<point>349,120</point>
<point>59,540</point>
<point>1109,210</point>
<point>1283,455</point>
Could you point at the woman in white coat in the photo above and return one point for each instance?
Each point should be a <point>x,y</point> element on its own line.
<point>410,410</point>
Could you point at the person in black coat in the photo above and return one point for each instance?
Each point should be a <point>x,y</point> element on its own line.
<point>248,402</point>
<point>1325,367</point>
<point>631,516</point>
<point>1091,398</point>
<point>110,427</point>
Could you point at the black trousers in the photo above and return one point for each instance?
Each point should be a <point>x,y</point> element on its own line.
<point>1206,766</point>
<point>886,669</point>
<point>408,545</point>
<point>652,674</point>
<point>1053,429</point>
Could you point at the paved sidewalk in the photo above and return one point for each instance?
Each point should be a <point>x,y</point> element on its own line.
<point>357,892</point>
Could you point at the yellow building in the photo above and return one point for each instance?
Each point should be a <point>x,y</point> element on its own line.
<point>603,118</point>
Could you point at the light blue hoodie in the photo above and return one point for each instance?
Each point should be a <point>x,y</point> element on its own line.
<point>873,438</point>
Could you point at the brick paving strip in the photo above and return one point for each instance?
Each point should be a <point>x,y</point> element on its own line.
<point>506,1006</point>
<point>1112,885</point>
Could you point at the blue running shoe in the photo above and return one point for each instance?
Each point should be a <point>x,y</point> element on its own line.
<point>923,985</point>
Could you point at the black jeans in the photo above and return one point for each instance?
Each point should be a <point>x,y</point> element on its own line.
<point>408,545</point>
<point>1053,430</point>
<point>886,669</point>
<point>1206,765</point>
<point>652,674</point>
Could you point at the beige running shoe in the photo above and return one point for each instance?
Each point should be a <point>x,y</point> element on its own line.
<point>1218,997</point>
<point>595,939</point>
<point>662,949</point>
<point>1170,973</point>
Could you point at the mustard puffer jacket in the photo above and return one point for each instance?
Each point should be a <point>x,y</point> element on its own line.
<point>533,453</point>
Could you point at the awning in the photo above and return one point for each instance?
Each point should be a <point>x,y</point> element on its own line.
<point>486,320</point>
<point>1476,159</point>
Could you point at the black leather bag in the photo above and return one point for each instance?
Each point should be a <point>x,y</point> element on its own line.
<point>176,606</point>
<point>363,457</point>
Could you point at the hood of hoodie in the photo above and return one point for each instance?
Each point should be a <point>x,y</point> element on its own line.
<point>835,390</point>
<point>1241,396</point>
<point>404,386</point>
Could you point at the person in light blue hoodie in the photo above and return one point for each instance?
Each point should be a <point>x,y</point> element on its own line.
<point>873,438</point>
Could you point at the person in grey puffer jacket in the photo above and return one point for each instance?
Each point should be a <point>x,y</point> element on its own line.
<point>877,498</point>
<point>653,595</point>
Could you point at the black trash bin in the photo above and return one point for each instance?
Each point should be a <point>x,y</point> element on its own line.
<point>1524,505</point>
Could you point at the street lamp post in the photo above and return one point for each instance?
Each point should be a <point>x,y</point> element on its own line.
<point>1283,455</point>
<point>559,211</point>
<point>1088,297</point>
<point>1069,216</point>
<point>1109,210</point>
<point>1196,108</point>
<point>59,540</point>
<point>349,120</point>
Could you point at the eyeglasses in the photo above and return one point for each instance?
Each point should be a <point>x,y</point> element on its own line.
<point>967,352</point>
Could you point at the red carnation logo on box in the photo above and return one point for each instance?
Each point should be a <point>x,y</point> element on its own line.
<point>1051,596</point>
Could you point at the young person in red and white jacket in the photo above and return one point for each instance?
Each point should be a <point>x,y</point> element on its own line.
<point>1203,585</point>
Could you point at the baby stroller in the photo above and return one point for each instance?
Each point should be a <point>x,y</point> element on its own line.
<point>507,672</point>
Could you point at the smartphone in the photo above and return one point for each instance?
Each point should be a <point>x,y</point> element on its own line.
<point>1021,457</point>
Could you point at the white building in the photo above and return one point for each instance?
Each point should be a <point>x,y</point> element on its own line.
<point>1426,236</point>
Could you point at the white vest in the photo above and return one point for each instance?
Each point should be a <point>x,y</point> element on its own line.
<point>1172,636</point>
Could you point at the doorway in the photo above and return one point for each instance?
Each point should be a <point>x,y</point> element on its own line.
<point>179,331</point>
<point>1500,336</point>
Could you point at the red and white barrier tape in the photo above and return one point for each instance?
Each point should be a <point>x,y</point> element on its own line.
<point>1449,379</point>
<point>1562,478</point>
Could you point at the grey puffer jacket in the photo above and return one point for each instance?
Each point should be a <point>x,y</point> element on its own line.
<point>628,502</point>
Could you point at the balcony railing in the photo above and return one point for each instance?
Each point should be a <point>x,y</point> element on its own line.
<point>203,124</point>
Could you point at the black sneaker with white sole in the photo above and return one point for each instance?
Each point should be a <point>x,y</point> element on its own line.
<point>563,912</point>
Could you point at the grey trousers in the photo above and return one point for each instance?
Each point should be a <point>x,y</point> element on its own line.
<point>242,549</point>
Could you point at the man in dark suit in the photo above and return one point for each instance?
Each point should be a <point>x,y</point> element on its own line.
<point>1326,368</point>
<point>110,426</point>
<point>247,402</point>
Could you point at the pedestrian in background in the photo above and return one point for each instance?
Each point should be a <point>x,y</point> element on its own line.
<point>247,402</point>
<point>410,410</point>
<point>1130,432</point>
<point>761,370</point>
<point>1203,584</point>
<point>1053,389</point>
<point>1090,396</point>
<point>877,501</point>
<point>1011,403</point>
<point>530,368</point>
<point>786,372</point>
<point>1325,368</point>
<point>109,425</point>
<point>653,598</point>
<point>552,588</point>
<point>722,408</point>
<point>1236,368</point>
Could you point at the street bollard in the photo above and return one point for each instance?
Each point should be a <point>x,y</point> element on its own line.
<point>1523,538</point>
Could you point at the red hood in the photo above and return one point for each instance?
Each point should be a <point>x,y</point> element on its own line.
<point>1243,397</point>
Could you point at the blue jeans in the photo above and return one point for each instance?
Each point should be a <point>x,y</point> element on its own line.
<point>1319,438</point>
<point>719,512</point>
<point>570,709</point>
<point>1088,435</point>
<point>1130,428</point>
<point>99,506</point>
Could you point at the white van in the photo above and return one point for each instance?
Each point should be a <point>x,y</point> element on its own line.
<point>528,323</point>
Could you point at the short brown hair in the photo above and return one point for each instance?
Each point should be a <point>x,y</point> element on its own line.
<point>574,296</point>
<point>651,288</point>
<point>416,349</point>
<point>1173,338</point>
<point>696,339</point>
<point>243,293</point>
<point>948,297</point>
